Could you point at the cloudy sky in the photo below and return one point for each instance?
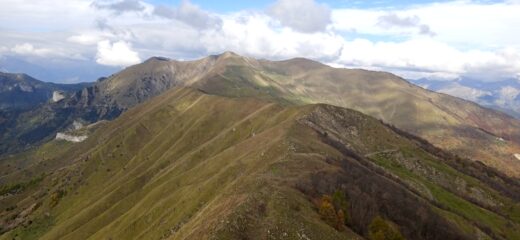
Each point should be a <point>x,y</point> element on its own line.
<point>442,40</point>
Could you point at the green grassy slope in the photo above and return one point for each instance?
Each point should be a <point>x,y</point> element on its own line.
<point>188,165</point>
<point>453,124</point>
<point>450,123</point>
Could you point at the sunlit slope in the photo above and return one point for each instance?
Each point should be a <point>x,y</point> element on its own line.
<point>187,165</point>
<point>183,166</point>
<point>105,99</point>
<point>451,123</point>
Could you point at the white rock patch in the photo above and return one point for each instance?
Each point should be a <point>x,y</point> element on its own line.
<point>70,138</point>
<point>57,96</point>
<point>77,125</point>
<point>517,156</point>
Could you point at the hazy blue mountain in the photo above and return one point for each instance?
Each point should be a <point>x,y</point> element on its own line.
<point>20,91</point>
<point>501,95</point>
<point>54,70</point>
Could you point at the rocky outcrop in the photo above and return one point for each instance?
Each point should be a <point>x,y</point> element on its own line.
<point>57,96</point>
<point>70,138</point>
<point>21,92</point>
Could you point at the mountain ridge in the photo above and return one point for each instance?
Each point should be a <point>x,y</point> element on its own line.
<point>199,166</point>
<point>450,123</point>
<point>247,167</point>
<point>20,91</point>
<point>501,95</point>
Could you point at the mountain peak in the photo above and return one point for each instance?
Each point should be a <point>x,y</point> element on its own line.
<point>157,58</point>
<point>227,54</point>
<point>305,61</point>
<point>19,77</point>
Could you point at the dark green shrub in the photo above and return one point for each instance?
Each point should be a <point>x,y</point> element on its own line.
<point>380,229</point>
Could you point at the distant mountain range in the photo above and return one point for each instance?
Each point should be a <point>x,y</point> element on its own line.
<point>20,91</point>
<point>53,70</point>
<point>21,95</point>
<point>501,95</point>
<point>230,147</point>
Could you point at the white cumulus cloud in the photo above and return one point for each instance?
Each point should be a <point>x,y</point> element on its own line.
<point>255,35</point>
<point>421,57</point>
<point>29,49</point>
<point>190,14</point>
<point>444,40</point>
<point>116,54</point>
<point>303,15</point>
<point>120,6</point>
